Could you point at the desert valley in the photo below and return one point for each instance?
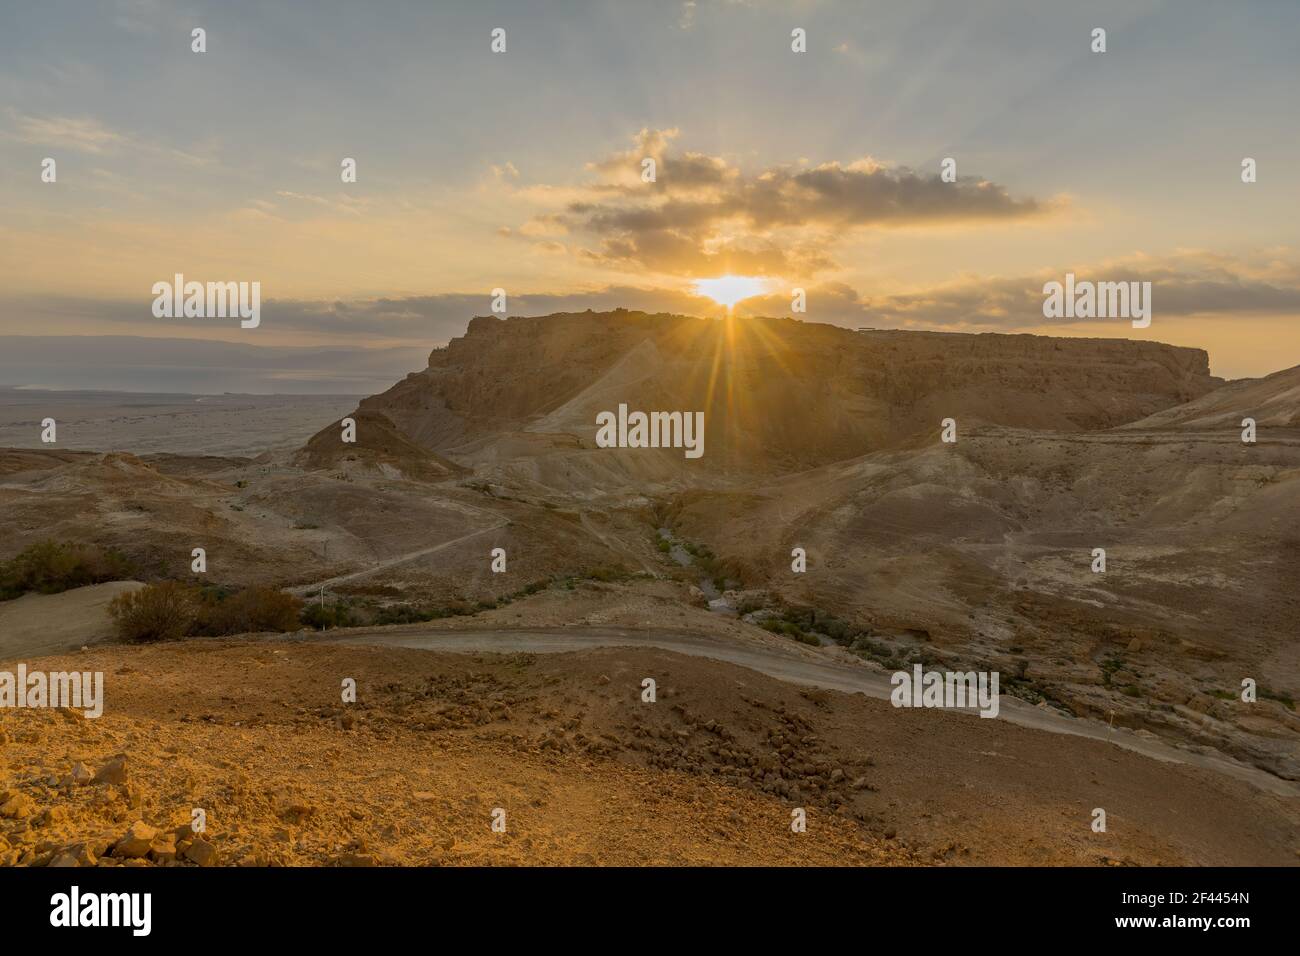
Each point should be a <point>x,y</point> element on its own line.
<point>498,584</point>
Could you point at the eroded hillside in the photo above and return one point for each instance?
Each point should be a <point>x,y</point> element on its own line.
<point>778,394</point>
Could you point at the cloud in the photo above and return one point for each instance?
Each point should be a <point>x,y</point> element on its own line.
<point>85,135</point>
<point>689,8</point>
<point>410,320</point>
<point>434,319</point>
<point>504,171</point>
<point>1188,283</point>
<point>703,214</point>
<point>345,204</point>
<point>139,16</point>
<point>88,135</point>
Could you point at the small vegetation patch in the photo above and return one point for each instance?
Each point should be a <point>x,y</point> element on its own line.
<point>50,567</point>
<point>170,610</point>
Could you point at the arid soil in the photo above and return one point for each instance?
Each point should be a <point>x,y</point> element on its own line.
<point>255,733</point>
<point>981,554</point>
<point>38,624</point>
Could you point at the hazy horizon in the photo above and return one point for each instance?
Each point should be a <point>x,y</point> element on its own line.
<point>91,363</point>
<point>114,363</point>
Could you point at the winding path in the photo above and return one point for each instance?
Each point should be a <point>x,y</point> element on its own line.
<point>304,589</point>
<point>793,667</point>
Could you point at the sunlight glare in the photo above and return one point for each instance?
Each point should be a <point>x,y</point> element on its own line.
<point>728,290</point>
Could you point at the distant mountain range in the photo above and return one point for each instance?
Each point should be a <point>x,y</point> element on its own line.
<point>196,366</point>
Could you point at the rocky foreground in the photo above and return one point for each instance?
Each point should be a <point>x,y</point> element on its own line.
<point>562,750</point>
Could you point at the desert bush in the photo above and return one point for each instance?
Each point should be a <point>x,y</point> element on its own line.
<point>252,609</point>
<point>609,575</point>
<point>1282,698</point>
<point>157,612</point>
<point>49,567</point>
<point>403,614</point>
<point>325,616</point>
<point>531,588</point>
<point>790,629</point>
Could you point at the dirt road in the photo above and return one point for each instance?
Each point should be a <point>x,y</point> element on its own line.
<point>307,589</point>
<point>794,668</point>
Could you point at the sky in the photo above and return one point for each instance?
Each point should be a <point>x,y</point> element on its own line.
<point>522,170</point>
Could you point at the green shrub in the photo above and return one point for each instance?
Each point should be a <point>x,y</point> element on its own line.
<point>790,629</point>
<point>403,614</point>
<point>609,575</point>
<point>49,567</point>
<point>1284,699</point>
<point>156,612</point>
<point>252,609</point>
<point>323,617</point>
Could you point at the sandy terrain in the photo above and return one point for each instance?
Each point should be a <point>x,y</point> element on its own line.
<point>255,734</point>
<point>38,624</point>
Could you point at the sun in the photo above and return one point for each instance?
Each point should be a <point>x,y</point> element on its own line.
<point>728,290</point>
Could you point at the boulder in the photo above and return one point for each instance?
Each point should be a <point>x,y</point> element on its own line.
<point>112,772</point>
<point>202,852</point>
<point>137,841</point>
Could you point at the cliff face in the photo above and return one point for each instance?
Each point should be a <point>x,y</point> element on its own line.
<point>778,393</point>
<point>1273,401</point>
